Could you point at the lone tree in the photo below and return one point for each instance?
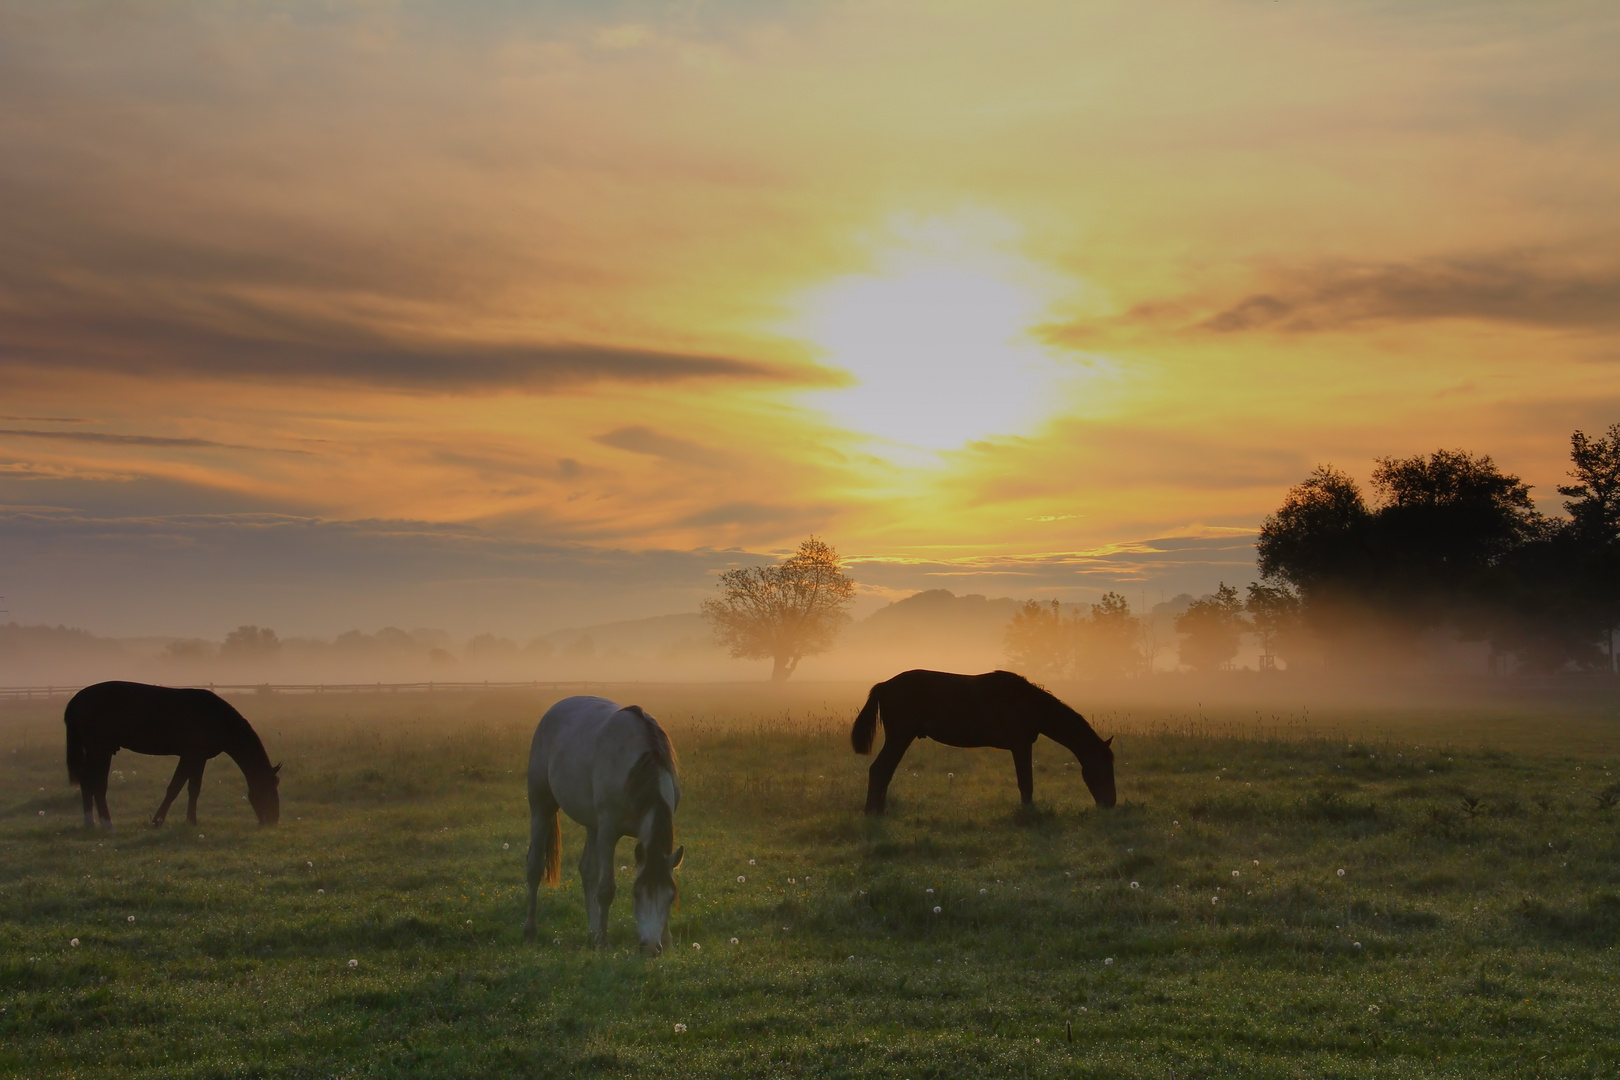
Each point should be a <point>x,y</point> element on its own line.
<point>782,613</point>
<point>1211,629</point>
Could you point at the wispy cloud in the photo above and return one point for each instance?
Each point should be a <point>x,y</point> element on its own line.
<point>644,440</point>
<point>108,438</point>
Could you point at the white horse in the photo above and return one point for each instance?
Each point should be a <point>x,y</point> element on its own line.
<point>612,770</point>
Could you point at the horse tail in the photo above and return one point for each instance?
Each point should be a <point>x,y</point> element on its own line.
<point>551,872</point>
<point>75,745</point>
<point>865,729</point>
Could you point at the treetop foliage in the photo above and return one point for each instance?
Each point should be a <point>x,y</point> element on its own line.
<point>784,612</point>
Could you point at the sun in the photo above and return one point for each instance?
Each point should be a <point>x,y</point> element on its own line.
<point>938,340</point>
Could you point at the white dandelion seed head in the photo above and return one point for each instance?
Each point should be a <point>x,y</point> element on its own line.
<point>1214,899</point>
<point>320,892</point>
<point>469,922</point>
<point>42,813</point>
<point>74,943</point>
<point>937,909</point>
<point>679,1028</point>
<point>1341,872</point>
<point>1177,824</point>
<point>506,847</point>
<point>734,941</point>
<point>354,963</point>
<point>1235,873</point>
<point>741,878</point>
<point>1257,862</point>
<point>1136,884</point>
<point>750,862</point>
<point>696,947</point>
<point>983,891</point>
<point>793,881</point>
<point>132,918</point>
<point>1372,1008</point>
<point>310,863</point>
<point>1355,944</point>
<point>1108,961</point>
<point>622,869</point>
<point>930,892</point>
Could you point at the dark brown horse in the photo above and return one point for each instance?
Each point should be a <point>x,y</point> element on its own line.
<point>997,709</point>
<point>195,724</point>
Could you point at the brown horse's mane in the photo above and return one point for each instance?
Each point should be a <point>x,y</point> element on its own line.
<point>1056,705</point>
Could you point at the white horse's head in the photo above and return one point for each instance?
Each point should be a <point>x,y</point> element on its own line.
<point>654,894</point>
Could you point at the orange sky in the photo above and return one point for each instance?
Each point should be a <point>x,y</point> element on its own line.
<point>481,315</point>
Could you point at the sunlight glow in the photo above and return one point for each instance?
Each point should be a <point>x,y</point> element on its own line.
<point>938,340</point>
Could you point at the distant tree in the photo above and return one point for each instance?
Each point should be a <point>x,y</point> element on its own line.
<point>1211,629</point>
<point>1275,615</point>
<point>1039,641</point>
<point>249,643</point>
<point>783,613</point>
<point>193,651</point>
<point>1109,642</point>
<point>1594,499</point>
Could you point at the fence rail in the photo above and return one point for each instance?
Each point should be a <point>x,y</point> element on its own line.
<point>24,693</point>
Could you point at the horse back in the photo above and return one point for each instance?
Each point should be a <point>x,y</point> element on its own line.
<point>991,709</point>
<point>585,751</point>
<point>159,720</point>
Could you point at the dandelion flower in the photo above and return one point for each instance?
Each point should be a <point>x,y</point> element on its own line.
<point>1341,872</point>
<point>680,1028</point>
<point>1214,900</point>
<point>750,862</point>
<point>734,941</point>
<point>74,943</point>
<point>1108,961</point>
<point>793,881</point>
<point>1257,862</point>
<point>852,958</point>
<point>1355,944</point>
<point>506,847</point>
<point>937,909</point>
<point>930,892</point>
<point>354,963</point>
<point>42,813</point>
<point>320,892</point>
<point>1234,873</point>
<point>622,869</point>
<point>1136,884</point>
<point>199,836</point>
<point>469,922</point>
<point>696,947</point>
<point>1372,1009</point>
<point>983,891</point>
<point>1177,824</point>
<point>741,879</point>
<point>309,863</point>
<point>132,918</point>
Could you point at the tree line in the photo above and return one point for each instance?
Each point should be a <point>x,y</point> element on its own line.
<point>1450,545</point>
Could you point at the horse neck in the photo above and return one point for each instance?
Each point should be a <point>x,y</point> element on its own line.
<point>1063,725</point>
<point>247,750</point>
<point>657,826</point>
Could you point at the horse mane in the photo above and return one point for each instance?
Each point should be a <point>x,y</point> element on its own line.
<point>1053,704</point>
<point>247,749</point>
<point>660,742</point>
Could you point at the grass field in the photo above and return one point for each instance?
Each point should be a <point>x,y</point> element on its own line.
<point>1203,927</point>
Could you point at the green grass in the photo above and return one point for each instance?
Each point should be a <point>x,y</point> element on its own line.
<point>1473,932</point>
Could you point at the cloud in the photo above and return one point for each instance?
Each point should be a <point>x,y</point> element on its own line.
<point>1502,289</point>
<point>752,513</point>
<point>135,440</point>
<point>292,348</point>
<point>644,440</point>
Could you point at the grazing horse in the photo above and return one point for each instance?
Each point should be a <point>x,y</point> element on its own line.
<point>612,770</point>
<point>997,709</point>
<point>195,724</point>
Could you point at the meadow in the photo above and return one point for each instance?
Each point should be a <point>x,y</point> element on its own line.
<point>1379,893</point>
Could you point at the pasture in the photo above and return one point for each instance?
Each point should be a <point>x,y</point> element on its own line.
<point>1203,928</point>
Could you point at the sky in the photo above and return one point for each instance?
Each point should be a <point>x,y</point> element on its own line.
<point>517,316</point>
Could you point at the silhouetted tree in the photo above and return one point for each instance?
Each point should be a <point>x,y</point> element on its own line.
<point>782,613</point>
<point>1038,641</point>
<point>1109,642</point>
<point>249,643</point>
<point>1275,614</point>
<point>1211,629</point>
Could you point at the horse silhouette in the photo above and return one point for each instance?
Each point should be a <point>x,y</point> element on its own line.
<point>197,725</point>
<point>997,709</point>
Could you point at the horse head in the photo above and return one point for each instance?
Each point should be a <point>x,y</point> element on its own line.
<point>1097,770</point>
<point>654,894</point>
<point>264,796</point>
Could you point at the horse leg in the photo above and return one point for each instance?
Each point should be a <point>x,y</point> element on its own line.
<point>545,844</point>
<point>587,877</point>
<point>193,789</point>
<point>882,770</point>
<point>178,781</point>
<point>93,787</point>
<point>606,841</point>
<point>1023,763</point>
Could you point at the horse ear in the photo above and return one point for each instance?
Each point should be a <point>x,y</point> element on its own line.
<point>275,770</point>
<point>641,853</point>
<point>676,856</point>
<point>1108,741</point>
